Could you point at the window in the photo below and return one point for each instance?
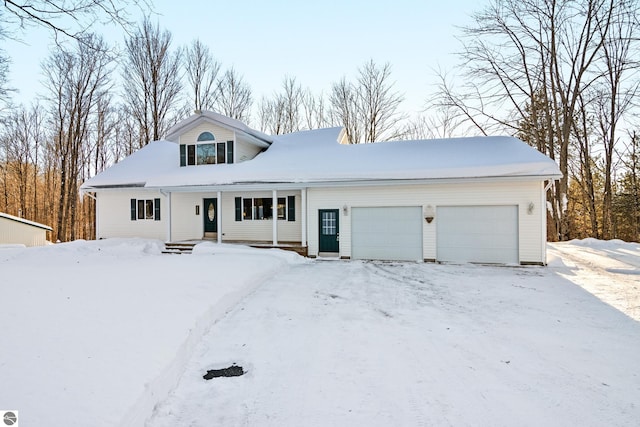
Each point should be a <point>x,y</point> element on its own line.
<point>205,151</point>
<point>329,225</point>
<point>262,208</point>
<point>206,154</point>
<point>206,136</point>
<point>143,209</point>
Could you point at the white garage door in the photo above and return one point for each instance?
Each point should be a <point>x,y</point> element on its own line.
<point>477,234</point>
<point>387,233</point>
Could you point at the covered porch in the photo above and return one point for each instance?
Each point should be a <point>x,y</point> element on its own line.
<point>255,216</point>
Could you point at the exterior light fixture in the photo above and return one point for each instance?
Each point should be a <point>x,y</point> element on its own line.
<point>429,214</point>
<point>345,210</point>
<point>530,208</point>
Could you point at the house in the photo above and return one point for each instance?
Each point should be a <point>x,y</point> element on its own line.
<point>19,231</point>
<point>479,199</point>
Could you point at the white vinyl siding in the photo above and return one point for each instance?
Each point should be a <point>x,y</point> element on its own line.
<point>486,234</point>
<point>114,213</point>
<point>243,150</point>
<point>288,231</point>
<point>387,233</point>
<point>246,151</point>
<point>17,233</point>
<point>187,225</point>
<point>221,134</point>
<point>531,244</point>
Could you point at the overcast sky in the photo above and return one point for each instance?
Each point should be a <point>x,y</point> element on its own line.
<point>316,42</point>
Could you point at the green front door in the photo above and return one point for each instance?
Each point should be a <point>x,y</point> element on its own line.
<point>210,215</point>
<point>329,230</point>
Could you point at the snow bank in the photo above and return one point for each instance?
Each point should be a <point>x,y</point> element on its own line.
<point>101,329</point>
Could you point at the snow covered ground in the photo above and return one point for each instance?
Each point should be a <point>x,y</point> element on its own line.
<point>99,333</point>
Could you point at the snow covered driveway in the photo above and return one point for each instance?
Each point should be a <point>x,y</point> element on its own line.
<point>380,344</point>
<point>98,334</point>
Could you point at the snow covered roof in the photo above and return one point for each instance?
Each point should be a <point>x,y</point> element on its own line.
<point>316,157</point>
<point>25,221</point>
<point>153,159</point>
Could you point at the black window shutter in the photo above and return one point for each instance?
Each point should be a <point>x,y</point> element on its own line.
<point>229,151</point>
<point>291,208</point>
<point>156,209</point>
<point>133,209</point>
<point>238,208</point>
<point>183,155</point>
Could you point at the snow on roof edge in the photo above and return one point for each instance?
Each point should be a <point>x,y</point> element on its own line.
<point>25,221</point>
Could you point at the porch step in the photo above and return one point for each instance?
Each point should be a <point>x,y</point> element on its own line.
<point>178,248</point>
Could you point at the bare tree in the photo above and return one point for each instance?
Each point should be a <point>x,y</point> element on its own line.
<point>5,90</point>
<point>379,102</point>
<point>20,141</point>
<point>368,109</point>
<point>315,113</point>
<point>69,18</point>
<point>234,96</point>
<point>271,115</point>
<point>76,81</point>
<point>202,74</point>
<point>440,123</point>
<point>540,54</point>
<point>151,75</point>
<point>345,109</point>
<point>615,92</point>
<point>282,114</point>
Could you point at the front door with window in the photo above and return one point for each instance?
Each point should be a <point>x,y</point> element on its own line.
<point>210,215</point>
<point>329,230</point>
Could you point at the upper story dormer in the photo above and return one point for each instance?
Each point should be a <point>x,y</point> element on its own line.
<point>208,138</point>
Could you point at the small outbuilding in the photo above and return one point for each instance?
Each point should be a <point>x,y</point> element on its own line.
<point>19,231</point>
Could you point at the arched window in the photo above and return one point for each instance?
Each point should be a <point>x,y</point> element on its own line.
<point>206,151</point>
<point>206,136</point>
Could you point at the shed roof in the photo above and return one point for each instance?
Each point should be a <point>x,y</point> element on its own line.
<point>25,221</point>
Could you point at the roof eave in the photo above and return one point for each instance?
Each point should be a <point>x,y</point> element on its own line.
<point>192,122</point>
<point>288,185</point>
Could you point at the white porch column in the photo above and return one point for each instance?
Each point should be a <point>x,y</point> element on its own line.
<point>303,215</point>
<point>274,214</point>
<point>168,214</point>
<point>219,216</point>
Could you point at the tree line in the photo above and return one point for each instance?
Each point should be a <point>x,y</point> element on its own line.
<point>99,106</point>
<point>560,75</point>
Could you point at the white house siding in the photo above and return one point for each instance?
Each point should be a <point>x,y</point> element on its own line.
<point>243,150</point>
<point>113,209</point>
<point>221,134</point>
<point>288,231</point>
<point>187,225</point>
<point>17,233</point>
<point>531,244</point>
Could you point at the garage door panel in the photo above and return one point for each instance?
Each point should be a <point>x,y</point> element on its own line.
<point>477,234</point>
<point>386,233</point>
